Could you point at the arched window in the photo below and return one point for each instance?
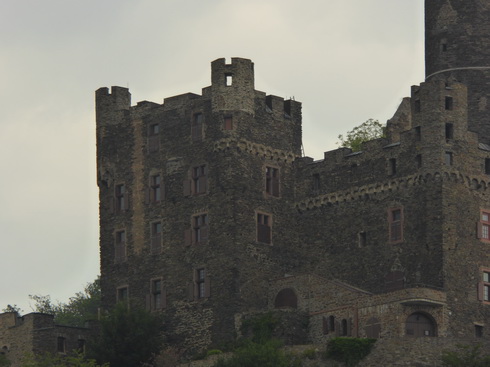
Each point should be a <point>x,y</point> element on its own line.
<point>420,324</point>
<point>286,298</point>
<point>331,323</point>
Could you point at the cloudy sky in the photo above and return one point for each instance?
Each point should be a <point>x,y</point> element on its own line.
<point>345,60</point>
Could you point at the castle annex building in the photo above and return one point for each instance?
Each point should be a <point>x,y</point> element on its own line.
<point>209,211</point>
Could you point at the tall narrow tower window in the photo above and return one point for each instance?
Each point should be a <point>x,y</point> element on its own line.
<point>449,131</point>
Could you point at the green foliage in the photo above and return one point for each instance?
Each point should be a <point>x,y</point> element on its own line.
<point>349,350</point>
<point>80,308</point>
<point>12,308</point>
<point>309,353</point>
<point>261,327</point>
<point>266,354</point>
<point>260,348</point>
<point>59,360</point>
<point>465,356</point>
<point>368,130</point>
<point>127,338</point>
<point>4,362</point>
<point>213,352</point>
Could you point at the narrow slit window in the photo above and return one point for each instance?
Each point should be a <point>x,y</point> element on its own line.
<point>362,239</point>
<point>418,159</point>
<point>392,166</point>
<point>487,166</point>
<point>228,80</point>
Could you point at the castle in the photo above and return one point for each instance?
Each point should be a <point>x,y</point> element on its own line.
<point>209,211</point>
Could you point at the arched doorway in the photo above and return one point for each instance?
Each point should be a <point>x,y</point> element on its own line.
<point>420,324</point>
<point>286,298</point>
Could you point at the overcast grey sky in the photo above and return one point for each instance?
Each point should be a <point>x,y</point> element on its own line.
<point>345,60</point>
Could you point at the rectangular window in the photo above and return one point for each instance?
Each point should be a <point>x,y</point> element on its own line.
<point>272,181</point>
<point>154,138</point>
<point>479,331</point>
<point>264,225</point>
<point>200,287</point>
<point>484,286</point>
<point>316,182</point>
<point>487,166</point>
<point>395,221</point>
<point>484,226</point>
<point>448,158</point>
<point>157,295</point>
<point>418,133</point>
<point>120,246</point>
<point>362,239</point>
<point>449,131</point>
<point>197,127</point>
<point>156,238</point>
<point>121,198</point>
<point>418,159</point>
<point>392,166</point>
<point>122,294</point>
<point>61,344</point>
<point>228,123</point>
<point>448,103</point>
<point>200,229</point>
<point>228,80</point>
<point>201,283</point>
<point>155,188</point>
<point>199,180</point>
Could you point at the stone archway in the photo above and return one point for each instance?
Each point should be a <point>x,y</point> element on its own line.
<point>420,324</point>
<point>286,298</point>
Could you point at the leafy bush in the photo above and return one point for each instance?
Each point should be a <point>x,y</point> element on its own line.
<point>213,352</point>
<point>4,362</point>
<point>58,360</point>
<point>368,130</point>
<point>266,354</point>
<point>465,356</point>
<point>349,350</point>
<point>261,327</point>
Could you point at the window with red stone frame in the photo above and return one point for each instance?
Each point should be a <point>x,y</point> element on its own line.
<point>395,223</point>
<point>484,286</point>
<point>483,226</point>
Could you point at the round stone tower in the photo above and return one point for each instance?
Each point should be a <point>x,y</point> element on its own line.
<point>457,48</point>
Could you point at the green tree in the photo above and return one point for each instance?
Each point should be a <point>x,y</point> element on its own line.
<point>58,360</point>
<point>81,307</point>
<point>128,337</point>
<point>368,130</point>
<point>465,356</point>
